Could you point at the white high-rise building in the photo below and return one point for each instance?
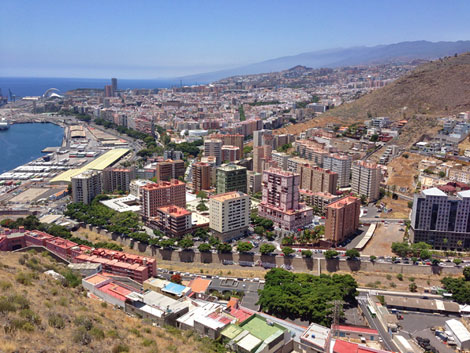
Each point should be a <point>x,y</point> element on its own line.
<point>340,164</point>
<point>213,147</point>
<point>366,178</point>
<point>229,215</point>
<point>86,186</point>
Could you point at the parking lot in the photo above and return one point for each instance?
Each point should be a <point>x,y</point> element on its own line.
<point>419,325</point>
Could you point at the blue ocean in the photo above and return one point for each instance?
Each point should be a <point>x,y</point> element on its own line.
<point>22,143</point>
<point>30,86</point>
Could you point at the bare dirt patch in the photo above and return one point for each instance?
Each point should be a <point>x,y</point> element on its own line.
<point>401,172</point>
<point>399,208</point>
<point>381,242</point>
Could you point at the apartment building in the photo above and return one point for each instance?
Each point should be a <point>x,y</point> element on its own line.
<point>258,137</point>
<point>229,215</point>
<point>441,220</point>
<point>253,182</point>
<point>280,202</point>
<point>170,169</point>
<point>342,219</point>
<point>173,155</point>
<point>86,186</point>
<point>281,159</point>
<point>213,147</point>
<point>162,194</point>
<point>174,221</point>
<point>317,179</point>
<point>201,176</point>
<point>118,179</point>
<point>262,156</point>
<point>231,140</point>
<point>317,200</point>
<point>294,163</point>
<point>366,177</point>
<point>230,153</point>
<point>340,164</point>
<point>231,177</point>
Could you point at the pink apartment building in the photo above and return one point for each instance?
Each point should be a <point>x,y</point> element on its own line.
<point>280,202</point>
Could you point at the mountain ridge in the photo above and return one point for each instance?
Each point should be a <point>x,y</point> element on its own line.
<point>331,58</point>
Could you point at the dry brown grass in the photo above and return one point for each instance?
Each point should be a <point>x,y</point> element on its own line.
<point>401,171</point>
<point>47,297</point>
<point>399,208</point>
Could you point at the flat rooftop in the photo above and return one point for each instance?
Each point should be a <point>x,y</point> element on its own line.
<point>99,163</point>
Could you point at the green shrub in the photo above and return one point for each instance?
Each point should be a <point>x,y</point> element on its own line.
<point>6,306</point>
<point>147,342</point>
<point>112,334</point>
<point>84,321</point>
<point>81,336</point>
<point>400,277</point>
<point>120,348</point>
<point>56,321</point>
<point>24,278</point>
<point>31,316</point>
<point>97,333</point>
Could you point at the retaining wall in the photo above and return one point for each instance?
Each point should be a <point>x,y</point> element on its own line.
<point>298,264</point>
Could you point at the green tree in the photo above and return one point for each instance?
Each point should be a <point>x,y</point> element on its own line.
<point>186,242</point>
<point>287,251</point>
<point>204,247</point>
<point>307,253</point>
<point>202,195</point>
<point>244,246</point>
<point>457,261</point>
<point>224,248</point>
<point>413,287</point>
<point>372,258</point>
<point>466,273</point>
<point>352,254</point>
<point>266,248</point>
<point>304,296</point>
<point>330,254</point>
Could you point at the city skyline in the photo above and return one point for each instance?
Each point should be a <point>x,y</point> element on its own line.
<point>163,40</point>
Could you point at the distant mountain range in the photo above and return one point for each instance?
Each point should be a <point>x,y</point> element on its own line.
<point>399,52</point>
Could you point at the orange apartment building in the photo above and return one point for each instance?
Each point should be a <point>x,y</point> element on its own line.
<point>342,219</point>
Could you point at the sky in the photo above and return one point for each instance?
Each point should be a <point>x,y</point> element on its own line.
<point>167,38</point>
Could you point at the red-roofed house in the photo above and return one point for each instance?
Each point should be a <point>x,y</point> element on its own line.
<point>348,347</point>
<point>238,312</point>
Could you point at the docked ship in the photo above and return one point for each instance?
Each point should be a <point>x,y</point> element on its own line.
<point>4,124</point>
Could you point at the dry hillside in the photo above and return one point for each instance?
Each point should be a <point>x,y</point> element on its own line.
<point>437,88</point>
<point>40,314</point>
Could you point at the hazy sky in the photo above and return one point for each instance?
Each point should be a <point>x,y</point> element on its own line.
<point>157,39</point>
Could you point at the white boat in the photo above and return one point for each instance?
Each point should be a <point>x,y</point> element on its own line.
<point>4,124</point>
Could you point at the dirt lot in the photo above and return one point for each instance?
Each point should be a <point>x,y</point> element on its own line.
<point>401,171</point>
<point>464,145</point>
<point>29,195</point>
<point>390,281</point>
<point>399,208</point>
<point>381,242</point>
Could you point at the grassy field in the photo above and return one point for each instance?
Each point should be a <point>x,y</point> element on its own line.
<point>40,314</point>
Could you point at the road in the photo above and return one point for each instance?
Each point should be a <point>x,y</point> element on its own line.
<point>375,324</point>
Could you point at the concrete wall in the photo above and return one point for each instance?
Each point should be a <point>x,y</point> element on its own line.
<point>298,264</point>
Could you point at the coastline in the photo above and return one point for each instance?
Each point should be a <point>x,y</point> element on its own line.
<point>27,160</point>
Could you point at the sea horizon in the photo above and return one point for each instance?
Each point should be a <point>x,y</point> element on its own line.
<point>36,86</point>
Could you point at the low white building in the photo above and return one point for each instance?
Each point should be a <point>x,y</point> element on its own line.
<point>460,333</point>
